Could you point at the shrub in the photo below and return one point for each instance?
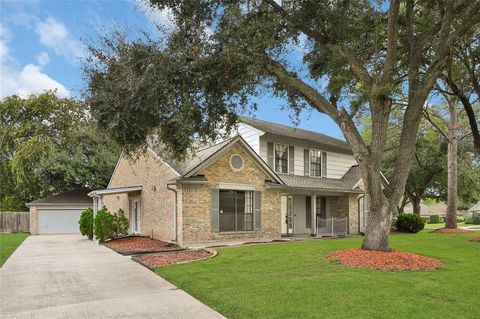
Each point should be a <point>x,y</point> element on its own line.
<point>409,223</point>
<point>120,223</point>
<point>476,218</point>
<point>434,219</point>
<point>86,223</point>
<point>104,228</point>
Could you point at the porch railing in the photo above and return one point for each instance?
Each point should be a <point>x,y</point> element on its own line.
<point>332,226</point>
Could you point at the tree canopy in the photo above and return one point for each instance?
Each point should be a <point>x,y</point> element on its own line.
<point>358,58</point>
<point>49,145</point>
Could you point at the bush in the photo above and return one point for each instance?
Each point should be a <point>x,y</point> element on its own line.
<point>110,226</point>
<point>409,223</point>
<point>103,225</point>
<point>120,223</point>
<point>434,219</point>
<point>86,223</point>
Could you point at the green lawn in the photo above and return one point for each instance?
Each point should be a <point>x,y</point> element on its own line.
<point>293,280</point>
<point>441,225</point>
<point>8,244</point>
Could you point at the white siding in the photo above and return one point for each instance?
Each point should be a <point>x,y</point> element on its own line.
<point>251,136</point>
<point>337,163</point>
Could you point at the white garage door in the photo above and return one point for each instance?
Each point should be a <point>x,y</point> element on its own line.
<point>58,221</point>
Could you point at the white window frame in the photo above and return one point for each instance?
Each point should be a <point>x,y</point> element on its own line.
<point>275,161</point>
<point>310,163</point>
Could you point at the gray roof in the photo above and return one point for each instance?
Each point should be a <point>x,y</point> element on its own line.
<point>307,182</point>
<point>297,133</point>
<point>74,196</point>
<point>352,176</point>
<point>475,208</point>
<point>192,160</point>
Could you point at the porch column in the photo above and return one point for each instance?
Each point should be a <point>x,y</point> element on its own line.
<point>95,210</point>
<point>314,214</point>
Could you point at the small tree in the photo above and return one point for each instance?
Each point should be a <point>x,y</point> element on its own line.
<point>86,223</point>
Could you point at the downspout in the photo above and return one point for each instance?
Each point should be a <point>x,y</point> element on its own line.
<point>174,212</point>
<point>358,205</point>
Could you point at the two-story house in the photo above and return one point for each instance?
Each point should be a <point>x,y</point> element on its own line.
<point>266,181</point>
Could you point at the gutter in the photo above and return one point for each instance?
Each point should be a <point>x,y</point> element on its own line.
<point>175,214</point>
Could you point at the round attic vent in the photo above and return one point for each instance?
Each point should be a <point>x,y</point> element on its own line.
<point>236,162</point>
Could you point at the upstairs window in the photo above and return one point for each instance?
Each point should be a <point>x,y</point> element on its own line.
<point>315,163</point>
<point>281,158</point>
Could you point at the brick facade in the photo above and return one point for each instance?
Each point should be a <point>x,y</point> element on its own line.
<point>196,202</point>
<point>156,201</point>
<point>346,206</point>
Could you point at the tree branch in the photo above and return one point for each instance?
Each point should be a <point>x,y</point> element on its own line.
<point>426,115</point>
<point>321,104</point>
<point>358,68</point>
<point>392,36</point>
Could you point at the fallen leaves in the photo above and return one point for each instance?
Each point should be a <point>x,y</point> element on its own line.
<point>380,260</point>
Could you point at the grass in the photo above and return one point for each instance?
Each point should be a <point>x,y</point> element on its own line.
<point>293,280</point>
<point>8,244</point>
<point>441,225</point>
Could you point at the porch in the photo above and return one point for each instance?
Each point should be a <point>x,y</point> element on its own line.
<point>319,215</point>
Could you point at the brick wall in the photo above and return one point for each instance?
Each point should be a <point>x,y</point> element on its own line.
<point>196,201</point>
<point>156,202</point>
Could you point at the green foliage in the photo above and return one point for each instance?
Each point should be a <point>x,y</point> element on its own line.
<point>49,145</point>
<point>103,225</point>
<point>86,223</point>
<point>434,219</point>
<point>110,225</point>
<point>120,223</point>
<point>409,223</point>
<point>472,218</point>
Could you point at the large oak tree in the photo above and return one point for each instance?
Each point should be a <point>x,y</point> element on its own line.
<point>360,57</point>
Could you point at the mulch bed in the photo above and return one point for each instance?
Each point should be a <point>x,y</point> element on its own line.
<point>452,231</point>
<point>475,239</point>
<point>153,261</point>
<point>380,260</point>
<point>140,245</point>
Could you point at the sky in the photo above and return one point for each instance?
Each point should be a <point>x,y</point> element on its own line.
<point>42,44</point>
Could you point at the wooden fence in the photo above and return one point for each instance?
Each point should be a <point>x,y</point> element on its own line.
<point>14,222</point>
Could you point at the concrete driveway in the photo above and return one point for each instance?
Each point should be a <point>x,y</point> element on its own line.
<point>66,276</point>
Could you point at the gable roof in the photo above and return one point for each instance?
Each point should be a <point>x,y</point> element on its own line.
<point>205,156</point>
<point>475,208</point>
<point>297,133</point>
<point>73,197</point>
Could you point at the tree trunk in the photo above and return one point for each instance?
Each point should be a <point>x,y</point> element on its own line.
<point>416,206</point>
<point>451,215</point>
<point>379,218</point>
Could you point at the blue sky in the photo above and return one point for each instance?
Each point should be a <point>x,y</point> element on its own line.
<point>42,42</point>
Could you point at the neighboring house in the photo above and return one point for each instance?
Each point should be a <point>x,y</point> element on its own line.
<point>426,211</point>
<point>266,181</point>
<point>58,214</point>
<point>475,209</point>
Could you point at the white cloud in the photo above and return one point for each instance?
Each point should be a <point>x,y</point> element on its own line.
<point>161,18</point>
<point>43,59</point>
<point>54,35</point>
<point>26,80</point>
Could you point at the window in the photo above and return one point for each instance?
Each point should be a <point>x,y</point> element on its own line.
<point>281,158</point>
<point>315,163</point>
<point>236,162</point>
<point>236,210</point>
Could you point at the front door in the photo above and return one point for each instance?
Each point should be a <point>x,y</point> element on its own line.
<point>287,215</point>
<point>135,215</point>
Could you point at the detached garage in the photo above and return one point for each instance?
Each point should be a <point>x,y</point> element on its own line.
<point>58,214</point>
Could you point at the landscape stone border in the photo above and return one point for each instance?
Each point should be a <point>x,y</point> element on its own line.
<point>213,253</point>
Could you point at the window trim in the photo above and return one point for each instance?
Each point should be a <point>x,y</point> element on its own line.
<point>274,158</point>
<point>252,213</point>
<point>310,163</point>
<point>230,162</point>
